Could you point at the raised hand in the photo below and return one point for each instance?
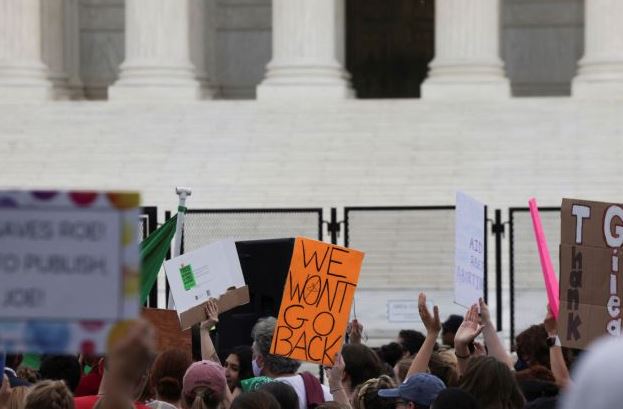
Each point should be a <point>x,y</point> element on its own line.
<point>336,372</point>
<point>485,314</point>
<point>470,328</point>
<point>432,323</point>
<point>212,312</point>
<point>355,331</point>
<point>479,349</point>
<point>551,325</point>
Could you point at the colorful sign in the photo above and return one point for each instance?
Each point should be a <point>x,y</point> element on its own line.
<point>69,268</point>
<point>316,301</point>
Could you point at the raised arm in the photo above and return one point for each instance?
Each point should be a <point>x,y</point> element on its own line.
<point>208,352</point>
<point>465,335</point>
<point>335,380</point>
<point>492,340</point>
<point>355,331</point>
<point>433,328</point>
<point>556,358</point>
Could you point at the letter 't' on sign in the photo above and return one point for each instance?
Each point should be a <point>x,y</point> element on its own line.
<point>581,213</point>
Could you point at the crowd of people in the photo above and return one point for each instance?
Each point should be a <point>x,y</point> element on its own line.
<point>460,363</point>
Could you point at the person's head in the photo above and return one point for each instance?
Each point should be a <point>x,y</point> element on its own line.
<point>443,366</point>
<point>28,374</point>
<point>204,385</point>
<point>411,341</point>
<point>265,363</point>
<point>597,377</point>
<point>449,329</point>
<point>361,364</point>
<point>492,384</point>
<point>284,393</point>
<point>49,395</point>
<point>455,398</point>
<point>532,348</point>
<point>533,389</point>
<point>238,365</point>
<point>17,399</point>
<point>402,368</point>
<point>332,405</point>
<point>13,361</point>
<point>418,392</point>
<point>390,353</point>
<point>61,368</point>
<point>366,395</point>
<point>167,374</point>
<point>255,400</point>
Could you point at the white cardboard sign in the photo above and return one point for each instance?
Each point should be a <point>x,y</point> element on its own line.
<point>469,257</point>
<point>205,273</point>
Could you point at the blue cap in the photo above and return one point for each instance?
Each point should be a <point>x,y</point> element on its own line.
<point>421,388</point>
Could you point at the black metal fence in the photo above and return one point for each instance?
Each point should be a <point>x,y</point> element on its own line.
<point>406,248</point>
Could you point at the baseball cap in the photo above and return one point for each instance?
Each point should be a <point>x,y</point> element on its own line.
<point>204,374</point>
<point>421,388</point>
<point>453,323</point>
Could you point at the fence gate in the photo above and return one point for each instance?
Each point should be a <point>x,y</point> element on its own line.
<point>527,293</point>
<point>408,250</point>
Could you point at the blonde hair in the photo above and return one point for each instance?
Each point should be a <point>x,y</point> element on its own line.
<point>49,395</point>
<point>17,398</point>
<point>366,395</point>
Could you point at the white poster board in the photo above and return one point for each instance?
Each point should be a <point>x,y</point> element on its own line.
<point>205,273</point>
<point>469,257</point>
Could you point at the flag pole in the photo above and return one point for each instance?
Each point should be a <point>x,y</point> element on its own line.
<point>182,193</point>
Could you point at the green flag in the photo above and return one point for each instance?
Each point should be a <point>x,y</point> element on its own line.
<point>153,251</point>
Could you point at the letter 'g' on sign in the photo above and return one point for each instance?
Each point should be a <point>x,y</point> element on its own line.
<point>316,301</point>
<point>616,239</point>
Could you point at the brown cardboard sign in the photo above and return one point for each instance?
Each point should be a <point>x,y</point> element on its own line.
<point>231,299</point>
<point>168,332</point>
<point>590,271</point>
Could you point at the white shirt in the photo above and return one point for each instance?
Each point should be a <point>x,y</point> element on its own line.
<point>297,383</point>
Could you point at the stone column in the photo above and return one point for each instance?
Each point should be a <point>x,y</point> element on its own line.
<point>600,71</point>
<point>306,52</point>
<point>198,46</point>
<point>157,53</point>
<point>467,63</point>
<point>23,75</point>
<point>72,49</point>
<point>52,26</point>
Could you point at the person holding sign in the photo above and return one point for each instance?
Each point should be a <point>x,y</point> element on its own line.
<point>284,369</point>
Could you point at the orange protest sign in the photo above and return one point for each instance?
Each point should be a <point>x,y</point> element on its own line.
<point>316,301</point>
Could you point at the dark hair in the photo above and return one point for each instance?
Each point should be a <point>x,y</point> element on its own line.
<point>284,393</point>
<point>534,389</point>
<point>255,400</point>
<point>411,340</point>
<point>532,346</point>
<point>61,368</point>
<point>245,356</point>
<point>492,384</point>
<point>536,372</point>
<point>167,374</point>
<point>444,369</point>
<point>366,395</point>
<point>455,398</point>
<point>361,363</point>
<point>390,353</point>
<point>543,403</point>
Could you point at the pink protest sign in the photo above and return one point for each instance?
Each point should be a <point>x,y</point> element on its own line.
<point>549,276</point>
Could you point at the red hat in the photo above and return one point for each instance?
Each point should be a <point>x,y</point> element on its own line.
<point>204,374</point>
